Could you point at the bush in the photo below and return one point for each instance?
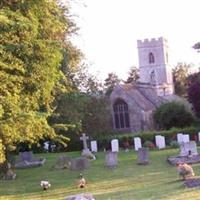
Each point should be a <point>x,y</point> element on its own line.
<point>174,144</point>
<point>149,144</point>
<point>173,114</point>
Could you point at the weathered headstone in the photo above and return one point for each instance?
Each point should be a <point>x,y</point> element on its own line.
<point>188,149</point>
<point>160,141</point>
<point>115,145</point>
<point>94,146</point>
<point>80,163</point>
<point>198,136</point>
<point>26,160</point>
<point>143,156</point>
<point>63,162</point>
<point>111,159</point>
<point>137,143</point>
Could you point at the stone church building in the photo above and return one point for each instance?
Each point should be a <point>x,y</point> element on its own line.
<point>132,105</point>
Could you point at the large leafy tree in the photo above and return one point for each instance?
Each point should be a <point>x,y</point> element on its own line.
<point>32,36</point>
<point>180,78</point>
<point>133,75</point>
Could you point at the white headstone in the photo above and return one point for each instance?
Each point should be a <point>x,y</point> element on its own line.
<point>84,139</point>
<point>180,138</point>
<point>137,143</point>
<point>186,138</point>
<point>199,136</point>
<point>160,141</point>
<point>93,146</point>
<point>115,145</point>
<point>188,149</point>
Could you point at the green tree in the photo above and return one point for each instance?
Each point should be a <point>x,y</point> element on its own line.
<point>110,82</point>
<point>180,78</point>
<point>133,75</point>
<point>173,114</point>
<point>32,34</point>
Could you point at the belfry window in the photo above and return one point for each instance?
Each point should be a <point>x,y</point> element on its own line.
<point>151,58</point>
<point>121,115</point>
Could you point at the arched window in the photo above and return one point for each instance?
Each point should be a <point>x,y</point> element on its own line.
<point>151,58</point>
<point>121,116</point>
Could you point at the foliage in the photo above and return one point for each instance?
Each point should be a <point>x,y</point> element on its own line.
<point>174,144</point>
<point>173,114</point>
<point>149,144</point>
<point>180,75</point>
<point>194,97</point>
<point>110,82</point>
<point>32,34</point>
<point>133,75</point>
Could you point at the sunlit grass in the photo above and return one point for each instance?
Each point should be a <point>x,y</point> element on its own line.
<point>128,181</point>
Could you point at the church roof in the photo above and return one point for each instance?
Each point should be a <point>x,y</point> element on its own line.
<point>143,96</point>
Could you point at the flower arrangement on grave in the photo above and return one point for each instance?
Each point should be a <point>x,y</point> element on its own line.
<point>184,170</point>
<point>45,185</point>
<point>149,144</point>
<point>81,182</point>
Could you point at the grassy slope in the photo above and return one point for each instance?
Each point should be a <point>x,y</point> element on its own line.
<point>129,181</point>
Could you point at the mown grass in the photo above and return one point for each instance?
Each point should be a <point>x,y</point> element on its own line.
<point>128,181</point>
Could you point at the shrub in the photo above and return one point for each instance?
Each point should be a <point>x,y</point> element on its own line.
<point>149,144</point>
<point>173,114</point>
<point>174,144</point>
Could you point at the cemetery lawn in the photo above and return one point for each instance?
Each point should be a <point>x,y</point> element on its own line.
<point>128,181</point>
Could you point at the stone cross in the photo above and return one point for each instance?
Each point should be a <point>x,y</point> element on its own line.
<point>84,139</point>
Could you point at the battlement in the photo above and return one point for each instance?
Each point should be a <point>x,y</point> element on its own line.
<point>152,42</point>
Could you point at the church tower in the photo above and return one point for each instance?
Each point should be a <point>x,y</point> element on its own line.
<point>154,66</point>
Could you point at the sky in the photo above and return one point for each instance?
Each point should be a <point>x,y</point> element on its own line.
<point>109,30</point>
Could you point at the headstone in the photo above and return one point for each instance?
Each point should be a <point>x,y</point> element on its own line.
<point>186,138</point>
<point>80,163</point>
<point>26,160</point>
<point>137,143</point>
<point>84,138</point>
<point>80,197</point>
<point>188,149</point>
<point>46,146</point>
<point>115,145</point>
<point>111,159</point>
<point>63,162</point>
<point>143,156</point>
<point>160,141</point>
<point>180,138</point>
<point>94,146</point>
<point>199,136</point>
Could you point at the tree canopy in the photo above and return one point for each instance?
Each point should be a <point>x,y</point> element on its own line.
<point>33,35</point>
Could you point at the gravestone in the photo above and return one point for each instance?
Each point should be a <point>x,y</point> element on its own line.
<point>63,162</point>
<point>111,159</point>
<point>160,142</point>
<point>143,156</point>
<point>115,145</point>
<point>86,152</point>
<point>180,138</point>
<point>137,143</point>
<point>188,149</point>
<point>79,164</point>
<point>186,138</point>
<point>192,182</point>
<point>94,146</point>
<point>80,197</point>
<point>198,136</point>
<point>27,160</point>
<point>46,146</point>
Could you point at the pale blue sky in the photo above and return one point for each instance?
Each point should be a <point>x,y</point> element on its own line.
<point>109,30</point>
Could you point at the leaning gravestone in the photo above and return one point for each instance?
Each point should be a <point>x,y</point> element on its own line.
<point>143,156</point>
<point>111,159</point>
<point>27,160</point>
<point>79,164</point>
<point>137,143</point>
<point>115,145</point>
